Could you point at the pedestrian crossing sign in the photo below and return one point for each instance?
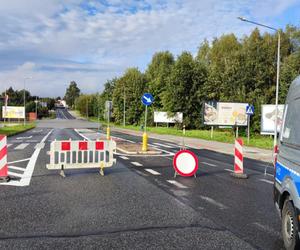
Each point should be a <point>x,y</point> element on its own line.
<point>250,110</point>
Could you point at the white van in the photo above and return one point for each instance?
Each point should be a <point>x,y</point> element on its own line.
<point>287,169</point>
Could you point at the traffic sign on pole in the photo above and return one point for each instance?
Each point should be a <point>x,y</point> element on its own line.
<point>250,109</point>
<point>147,99</point>
<point>185,163</point>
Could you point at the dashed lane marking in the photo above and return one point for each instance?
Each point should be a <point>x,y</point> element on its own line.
<point>124,157</point>
<point>33,141</point>
<point>213,202</point>
<point>136,164</point>
<point>25,137</point>
<point>229,170</point>
<point>177,184</point>
<point>151,171</point>
<point>208,164</point>
<point>9,145</point>
<point>267,181</point>
<point>27,159</point>
<point>21,146</point>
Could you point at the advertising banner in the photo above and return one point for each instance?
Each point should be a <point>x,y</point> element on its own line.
<point>13,112</point>
<point>268,118</point>
<point>163,117</point>
<point>225,114</point>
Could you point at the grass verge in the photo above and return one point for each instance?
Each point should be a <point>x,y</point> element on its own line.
<point>256,140</point>
<point>16,129</point>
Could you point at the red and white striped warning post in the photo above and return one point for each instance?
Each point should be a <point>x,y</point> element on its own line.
<point>238,160</point>
<point>3,159</point>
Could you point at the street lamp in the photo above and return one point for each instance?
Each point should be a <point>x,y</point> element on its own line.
<point>25,78</point>
<point>124,106</point>
<point>278,69</point>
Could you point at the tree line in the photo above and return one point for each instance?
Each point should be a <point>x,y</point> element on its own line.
<point>227,69</point>
<point>16,98</point>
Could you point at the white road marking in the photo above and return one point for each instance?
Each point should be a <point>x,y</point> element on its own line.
<point>267,181</point>
<point>213,202</point>
<point>229,170</point>
<point>26,177</point>
<point>136,164</point>
<point>16,168</point>
<point>40,145</point>
<point>124,157</point>
<point>8,145</point>
<point>37,131</point>
<point>162,145</point>
<point>27,159</point>
<point>82,135</point>
<point>32,141</point>
<point>21,146</point>
<point>22,138</point>
<point>151,171</point>
<point>272,175</point>
<point>14,174</point>
<point>141,173</point>
<point>208,164</point>
<point>177,184</point>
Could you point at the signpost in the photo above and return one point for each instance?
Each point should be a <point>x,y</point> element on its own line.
<point>147,100</point>
<point>108,108</point>
<point>249,112</point>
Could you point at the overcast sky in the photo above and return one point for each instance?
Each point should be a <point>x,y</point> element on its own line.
<point>57,41</point>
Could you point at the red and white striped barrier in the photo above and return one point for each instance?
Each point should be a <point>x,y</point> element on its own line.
<point>238,156</point>
<point>82,154</point>
<point>3,159</point>
<point>239,159</point>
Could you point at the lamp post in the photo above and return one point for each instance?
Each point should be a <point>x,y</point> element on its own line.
<point>124,106</point>
<point>277,75</point>
<point>24,97</point>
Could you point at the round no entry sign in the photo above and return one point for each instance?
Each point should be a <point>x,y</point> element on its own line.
<point>185,163</point>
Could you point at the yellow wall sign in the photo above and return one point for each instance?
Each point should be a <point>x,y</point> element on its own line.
<point>13,112</point>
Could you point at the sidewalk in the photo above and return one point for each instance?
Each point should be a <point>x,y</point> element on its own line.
<point>226,148</point>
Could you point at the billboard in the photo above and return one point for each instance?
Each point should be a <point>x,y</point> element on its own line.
<point>13,112</point>
<point>268,118</point>
<point>225,114</point>
<point>163,117</point>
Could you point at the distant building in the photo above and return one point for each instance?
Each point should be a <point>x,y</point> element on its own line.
<point>61,103</point>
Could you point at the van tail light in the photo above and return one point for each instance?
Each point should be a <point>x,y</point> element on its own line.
<point>275,154</point>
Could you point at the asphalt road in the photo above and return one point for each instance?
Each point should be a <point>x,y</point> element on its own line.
<point>138,204</point>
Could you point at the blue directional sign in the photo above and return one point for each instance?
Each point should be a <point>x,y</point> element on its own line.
<point>147,99</point>
<point>250,110</point>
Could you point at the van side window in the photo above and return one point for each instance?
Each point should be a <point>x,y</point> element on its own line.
<point>291,130</point>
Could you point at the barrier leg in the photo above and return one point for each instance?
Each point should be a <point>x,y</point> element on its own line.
<point>62,172</point>
<point>101,168</point>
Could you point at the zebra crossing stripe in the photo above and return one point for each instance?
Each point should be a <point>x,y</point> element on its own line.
<point>21,146</point>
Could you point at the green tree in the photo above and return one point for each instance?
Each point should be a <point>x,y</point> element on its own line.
<point>184,89</point>
<point>72,93</point>
<point>131,87</point>
<point>157,73</point>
